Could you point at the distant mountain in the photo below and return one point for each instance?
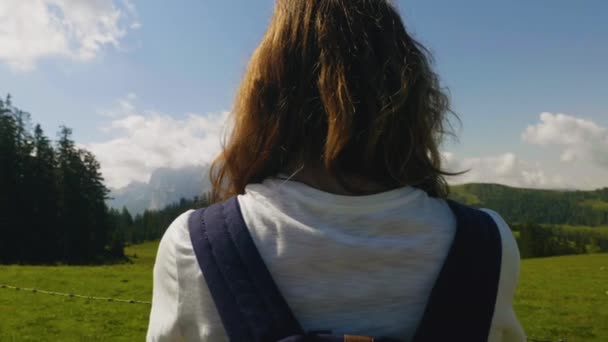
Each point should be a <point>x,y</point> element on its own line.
<point>518,205</point>
<point>166,186</point>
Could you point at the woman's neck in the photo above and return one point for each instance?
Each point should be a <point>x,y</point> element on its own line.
<point>319,178</point>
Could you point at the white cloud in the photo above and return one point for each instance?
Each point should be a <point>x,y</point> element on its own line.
<point>149,140</point>
<point>31,30</point>
<point>505,169</point>
<point>123,107</point>
<point>145,141</point>
<point>578,138</point>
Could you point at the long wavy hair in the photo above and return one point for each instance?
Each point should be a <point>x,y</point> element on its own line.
<point>342,85</point>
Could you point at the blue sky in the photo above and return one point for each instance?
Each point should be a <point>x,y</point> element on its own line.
<point>140,80</point>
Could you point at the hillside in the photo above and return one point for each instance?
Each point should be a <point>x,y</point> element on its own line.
<point>588,208</point>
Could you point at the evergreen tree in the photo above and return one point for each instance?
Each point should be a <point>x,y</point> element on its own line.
<point>16,149</point>
<point>43,200</point>
<point>83,214</point>
<point>8,182</point>
<point>70,208</point>
<point>24,184</point>
<point>126,226</point>
<point>94,194</point>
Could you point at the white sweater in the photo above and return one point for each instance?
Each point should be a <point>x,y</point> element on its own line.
<point>359,265</point>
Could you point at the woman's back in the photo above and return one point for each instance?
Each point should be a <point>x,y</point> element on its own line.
<point>360,265</point>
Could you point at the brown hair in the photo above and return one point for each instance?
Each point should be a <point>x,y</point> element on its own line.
<point>337,83</point>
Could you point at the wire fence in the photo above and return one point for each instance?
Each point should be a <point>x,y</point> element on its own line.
<point>132,301</point>
<point>73,295</point>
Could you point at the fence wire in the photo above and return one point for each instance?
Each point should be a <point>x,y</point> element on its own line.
<point>73,295</point>
<point>130,301</point>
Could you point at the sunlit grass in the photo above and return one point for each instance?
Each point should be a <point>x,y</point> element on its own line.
<point>27,316</point>
<point>564,298</point>
<point>557,298</point>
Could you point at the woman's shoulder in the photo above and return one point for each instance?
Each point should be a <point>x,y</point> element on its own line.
<point>178,229</point>
<point>510,251</point>
<point>175,243</point>
<point>505,325</point>
<point>175,258</point>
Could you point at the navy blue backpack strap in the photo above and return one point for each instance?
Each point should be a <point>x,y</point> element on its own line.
<point>461,305</point>
<point>460,308</point>
<point>249,302</point>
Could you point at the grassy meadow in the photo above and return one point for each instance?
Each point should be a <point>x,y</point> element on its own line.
<point>27,316</point>
<point>558,298</point>
<point>564,298</point>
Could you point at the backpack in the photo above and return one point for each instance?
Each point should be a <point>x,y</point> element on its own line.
<point>252,309</point>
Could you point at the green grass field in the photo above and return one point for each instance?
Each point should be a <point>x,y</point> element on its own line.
<point>558,298</point>
<point>564,298</point>
<point>27,316</point>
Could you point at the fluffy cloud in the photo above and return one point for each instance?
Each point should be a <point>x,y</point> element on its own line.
<point>505,169</point>
<point>147,141</point>
<point>578,138</point>
<point>75,29</point>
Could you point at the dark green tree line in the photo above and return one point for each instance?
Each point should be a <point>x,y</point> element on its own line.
<point>151,225</point>
<point>52,197</point>
<point>537,240</point>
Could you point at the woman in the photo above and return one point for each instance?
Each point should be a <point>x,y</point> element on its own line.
<point>334,158</point>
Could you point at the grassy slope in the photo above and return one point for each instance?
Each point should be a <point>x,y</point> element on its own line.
<point>561,297</point>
